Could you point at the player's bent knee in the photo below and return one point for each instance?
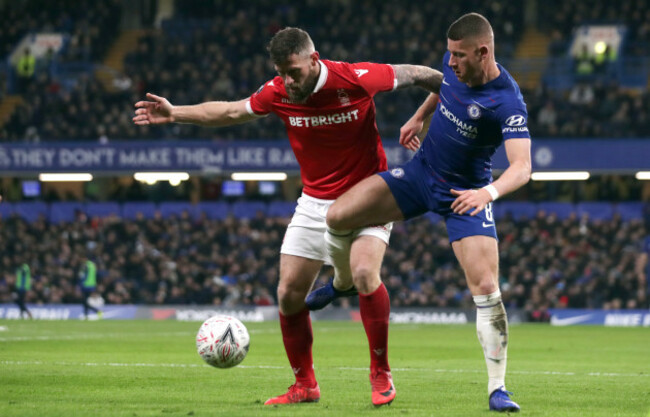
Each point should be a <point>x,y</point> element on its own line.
<point>366,279</point>
<point>334,217</point>
<point>290,307</point>
<point>287,293</point>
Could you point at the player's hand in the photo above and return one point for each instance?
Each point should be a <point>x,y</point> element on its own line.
<point>158,111</point>
<point>408,134</point>
<point>470,199</point>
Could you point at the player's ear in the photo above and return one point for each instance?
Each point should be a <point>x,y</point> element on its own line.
<point>314,56</point>
<point>483,51</point>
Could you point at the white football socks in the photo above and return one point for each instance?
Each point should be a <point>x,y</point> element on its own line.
<point>338,247</point>
<point>492,331</point>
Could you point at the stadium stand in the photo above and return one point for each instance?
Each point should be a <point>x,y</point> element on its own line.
<point>555,252</point>
<point>194,58</point>
<point>552,255</point>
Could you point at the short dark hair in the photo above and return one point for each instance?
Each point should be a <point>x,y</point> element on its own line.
<point>289,41</point>
<point>470,25</point>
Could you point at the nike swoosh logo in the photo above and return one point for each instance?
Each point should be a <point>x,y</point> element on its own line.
<point>445,82</point>
<point>360,72</point>
<point>387,393</point>
<point>488,224</point>
<point>555,321</point>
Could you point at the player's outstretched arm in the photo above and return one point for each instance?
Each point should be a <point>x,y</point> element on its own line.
<point>212,113</point>
<point>418,75</point>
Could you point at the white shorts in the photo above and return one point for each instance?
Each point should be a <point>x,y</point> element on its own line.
<point>305,236</point>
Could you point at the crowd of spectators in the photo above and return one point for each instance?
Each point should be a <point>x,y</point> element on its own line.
<point>89,24</point>
<point>194,58</point>
<point>558,19</point>
<point>545,262</point>
<point>592,110</point>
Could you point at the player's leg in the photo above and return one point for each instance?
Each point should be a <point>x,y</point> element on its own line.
<point>22,295</point>
<point>341,285</point>
<point>366,256</point>
<point>88,292</point>
<point>377,200</point>
<point>302,255</point>
<point>297,275</point>
<point>84,295</point>
<point>369,202</point>
<point>478,256</point>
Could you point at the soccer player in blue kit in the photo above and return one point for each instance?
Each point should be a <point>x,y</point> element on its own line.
<point>478,107</point>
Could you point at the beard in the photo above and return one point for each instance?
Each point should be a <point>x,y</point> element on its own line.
<point>302,94</point>
<point>299,96</point>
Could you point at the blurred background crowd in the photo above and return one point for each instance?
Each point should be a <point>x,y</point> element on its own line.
<point>114,51</point>
<point>546,262</point>
<point>192,58</point>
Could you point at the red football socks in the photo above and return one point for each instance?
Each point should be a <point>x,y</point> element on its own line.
<point>298,338</point>
<point>375,310</point>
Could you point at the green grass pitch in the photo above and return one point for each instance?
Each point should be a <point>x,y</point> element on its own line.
<point>151,368</point>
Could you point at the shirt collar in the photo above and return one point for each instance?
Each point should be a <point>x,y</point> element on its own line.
<point>322,78</point>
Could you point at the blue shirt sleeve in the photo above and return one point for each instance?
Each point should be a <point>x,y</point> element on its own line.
<point>514,122</point>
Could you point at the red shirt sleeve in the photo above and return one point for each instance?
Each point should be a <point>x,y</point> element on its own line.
<point>261,101</point>
<point>374,77</point>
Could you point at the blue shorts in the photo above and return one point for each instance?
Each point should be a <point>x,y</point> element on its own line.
<point>418,189</point>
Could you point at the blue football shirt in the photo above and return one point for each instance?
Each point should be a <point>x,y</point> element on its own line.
<point>469,124</point>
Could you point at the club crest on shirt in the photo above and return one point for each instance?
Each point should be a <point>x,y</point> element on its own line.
<point>474,111</point>
<point>344,99</point>
<point>397,172</point>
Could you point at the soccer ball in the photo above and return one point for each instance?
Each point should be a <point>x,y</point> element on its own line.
<point>222,341</point>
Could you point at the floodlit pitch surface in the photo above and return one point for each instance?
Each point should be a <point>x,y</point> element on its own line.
<point>149,368</point>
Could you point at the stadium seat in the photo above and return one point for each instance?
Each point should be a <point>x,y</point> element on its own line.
<point>64,211</point>
<point>31,210</point>
<point>281,208</point>
<point>6,210</point>
<point>630,210</point>
<point>104,209</point>
<point>248,209</point>
<point>561,210</point>
<point>596,210</point>
<point>517,209</point>
<point>213,210</point>
<point>130,210</point>
<point>178,207</point>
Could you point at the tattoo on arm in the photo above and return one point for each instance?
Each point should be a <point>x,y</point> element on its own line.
<point>419,75</point>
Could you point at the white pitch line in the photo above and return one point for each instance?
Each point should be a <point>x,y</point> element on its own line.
<point>107,335</point>
<point>340,368</point>
<point>87,336</point>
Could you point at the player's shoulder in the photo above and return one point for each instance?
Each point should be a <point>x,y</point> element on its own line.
<point>274,84</point>
<point>507,83</point>
<point>352,71</point>
<point>270,90</point>
<point>339,68</point>
<point>507,92</point>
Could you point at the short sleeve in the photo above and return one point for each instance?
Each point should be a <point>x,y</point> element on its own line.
<point>260,102</point>
<point>374,77</point>
<point>514,123</point>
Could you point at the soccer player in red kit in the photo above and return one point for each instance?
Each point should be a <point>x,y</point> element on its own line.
<point>329,113</point>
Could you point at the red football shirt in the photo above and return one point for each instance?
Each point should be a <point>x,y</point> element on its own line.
<point>334,133</point>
